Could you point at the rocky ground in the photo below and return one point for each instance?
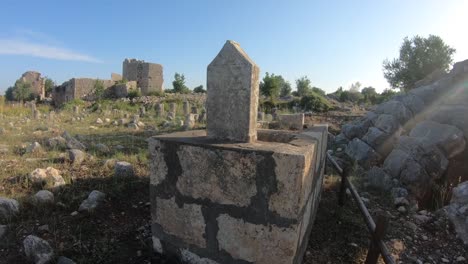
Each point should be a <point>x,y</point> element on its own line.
<point>83,195</point>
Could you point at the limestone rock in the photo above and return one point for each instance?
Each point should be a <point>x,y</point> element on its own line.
<point>395,162</point>
<point>76,156</point>
<point>457,210</point>
<point>362,153</point>
<point>99,121</point>
<point>382,142</point>
<point>43,197</point>
<point>387,123</point>
<point>8,208</point>
<point>454,115</point>
<point>38,250</point>
<point>353,130</point>
<point>396,109</point>
<point>190,121</point>
<point>448,138</point>
<point>101,148</point>
<point>378,178</point>
<point>123,169</point>
<point>95,198</point>
<point>38,175</point>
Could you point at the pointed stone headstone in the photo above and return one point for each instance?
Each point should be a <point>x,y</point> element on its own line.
<point>232,100</point>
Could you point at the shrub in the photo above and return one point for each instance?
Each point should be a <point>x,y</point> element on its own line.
<point>315,102</point>
<point>133,93</point>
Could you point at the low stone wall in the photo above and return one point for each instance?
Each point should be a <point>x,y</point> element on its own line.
<point>214,202</point>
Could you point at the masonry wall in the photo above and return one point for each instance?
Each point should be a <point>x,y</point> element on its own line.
<point>76,88</point>
<point>36,81</point>
<point>235,203</point>
<point>149,76</point>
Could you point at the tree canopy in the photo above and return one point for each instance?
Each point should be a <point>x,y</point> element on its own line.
<point>179,84</point>
<point>199,89</point>
<point>418,58</point>
<point>22,91</point>
<point>270,85</point>
<point>303,86</point>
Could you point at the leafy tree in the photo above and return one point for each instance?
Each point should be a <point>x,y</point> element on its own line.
<point>369,95</point>
<point>418,58</point>
<point>285,89</point>
<point>49,86</point>
<point>303,86</point>
<point>9,94</point>
<point>179,84</point>
<point>99,89</point>
<point>315,102</point>
<point>22,91</point>
<point>271,85</point>
<point>199,89</point>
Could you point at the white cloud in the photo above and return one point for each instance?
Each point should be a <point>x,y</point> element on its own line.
<point>13,46</point>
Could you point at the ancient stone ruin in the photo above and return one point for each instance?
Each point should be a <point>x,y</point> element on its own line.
<point>76,88</point>
<point>37,83</point>
<point>148,76</point>
<point>235,194</point>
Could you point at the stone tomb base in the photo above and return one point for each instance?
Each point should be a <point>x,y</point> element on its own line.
<point>213,202</point>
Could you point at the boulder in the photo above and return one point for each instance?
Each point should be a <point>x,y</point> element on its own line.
<point>38,250</point>
<point>395,162</point>
<point>379,179</point>
<point>76,156</point>
<point>38,176</point>
<point>447,137</point>
<point>9,208</point>
<point>353,130</point>
<point>457,210</point>
<point>48,175</point>
<point>382,142</point>
<point>365,155</point>
<point>43,197</point>
<point>57,142</point>
<point>99,121</point>
<point>95,198</point>
<point>454,115</point>
<point>101,148</point>
<point>387,123</point>
<point>396,109</point>
<point>123,169</point>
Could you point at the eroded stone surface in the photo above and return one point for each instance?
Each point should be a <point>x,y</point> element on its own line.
<point>256,243</point>
<point>185,222</point>
<point>158,165</point>
<point>192,258</point>
<point>232,95</point>
<point>222,176</point>
<point>294,182</point>
<point>292,121</point>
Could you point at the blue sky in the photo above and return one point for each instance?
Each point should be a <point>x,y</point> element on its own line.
<point>334,43</point>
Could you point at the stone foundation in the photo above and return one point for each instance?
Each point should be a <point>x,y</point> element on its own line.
<point>217,202</point>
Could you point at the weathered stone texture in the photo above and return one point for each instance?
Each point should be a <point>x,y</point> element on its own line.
<point>222,176</point>
<point>149,76</point>
<point>186,222</point>
<point>257,243</point>
<point>157,163</point>
<point>291,121</point>
<point>294,182</point>
<point>233,90</point>
<point>77,88</point>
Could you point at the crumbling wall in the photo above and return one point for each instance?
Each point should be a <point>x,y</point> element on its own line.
<point>77,88</point>
<point>36,81</point>
<point>149,76</point>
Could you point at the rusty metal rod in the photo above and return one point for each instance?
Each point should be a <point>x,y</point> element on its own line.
<point>362,207</point>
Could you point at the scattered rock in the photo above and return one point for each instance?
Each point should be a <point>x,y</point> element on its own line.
<point>44,176</point>
<point>57,142</point>
<point>378,178</point>
<point>43,228</point>
<point>109,164</point>
<point>37,250</point>
<point>362,153</point>
<point>99,121</point>
<point>34,148</point>
<point>101,148</point>
<point>123,169</point>
<point>457,210</point>
<point>43,197</point>
<point>402,209</point>
<point>8,208</point>
<point>76,156</point>
<point>399,192</point>
<point>92,202</point>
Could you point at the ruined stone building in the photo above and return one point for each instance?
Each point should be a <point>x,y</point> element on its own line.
<point>149,76</point>
<point>36,81</point>
<point>76,88</point>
